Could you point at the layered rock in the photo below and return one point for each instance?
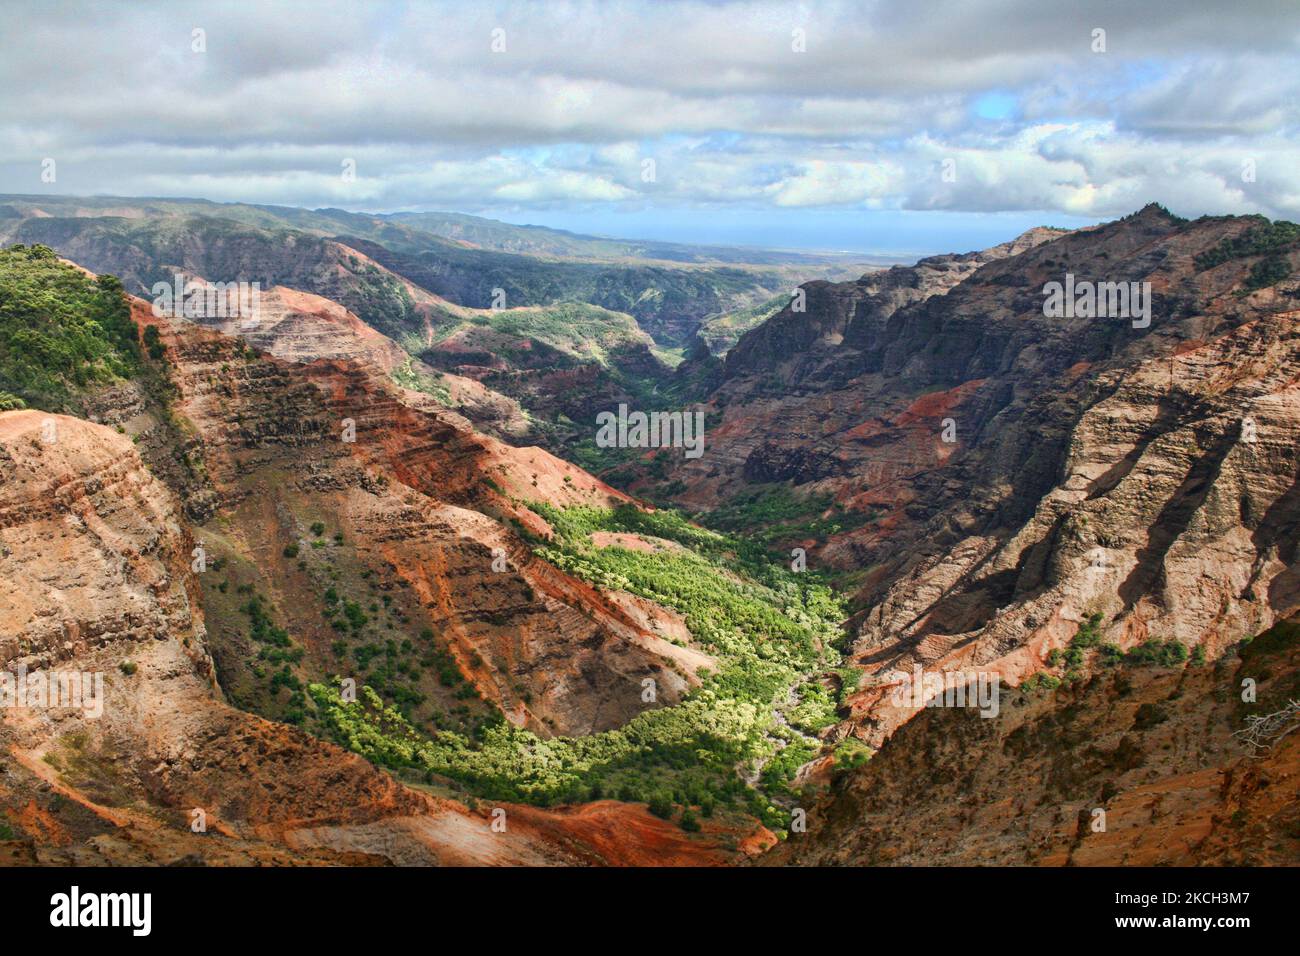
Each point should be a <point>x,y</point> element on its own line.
<point>163,771</point>
<point>420,502</point>
<point>1020,472</point>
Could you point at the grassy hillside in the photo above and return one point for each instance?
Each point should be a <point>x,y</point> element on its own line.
<point>60,331</point>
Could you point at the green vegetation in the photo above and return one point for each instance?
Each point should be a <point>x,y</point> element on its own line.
<point>60,332</point>
<point>1272,240</point>
<point>153,342</point>
<point>851,754</point>
<point>1157,654</point>
<point>1088,634</point>
<point>1088,638</point>
<point>772,513</point>
<point>815,709</point>
<point>417,379</point>
<point>768,627</point>
<point>1268,271</point>
<point>723,331</point>
<point>277,650</point>
<point>1039,681</point>
<point>1149,715</point>
<point>575,329</point>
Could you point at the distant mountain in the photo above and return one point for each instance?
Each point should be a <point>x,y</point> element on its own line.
<point>564,336</point>
<point>544,241</point>
<point>408,230</point>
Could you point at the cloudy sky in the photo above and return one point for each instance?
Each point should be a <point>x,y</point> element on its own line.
<point>888,127</point>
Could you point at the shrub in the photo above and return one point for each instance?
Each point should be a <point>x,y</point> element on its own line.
<point>1157,654</point>
<point>153,343</point>
<point>1089,633</point>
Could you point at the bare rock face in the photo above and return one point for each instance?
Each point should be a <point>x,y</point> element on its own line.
<point>101,566</point>
<point>1174,518</point>
<point>78,506</point>
<point>301,327</point>
<point>156,768</point>
<point>836,313</point>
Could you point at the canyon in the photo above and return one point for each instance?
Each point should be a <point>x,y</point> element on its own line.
<point>1101,517</point>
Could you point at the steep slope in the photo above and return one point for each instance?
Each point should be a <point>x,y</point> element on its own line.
<point>302,327</point>
<point>103,586</point>
<point>1136,767</point>
<point>417,501</point>
<point>1094,466</point>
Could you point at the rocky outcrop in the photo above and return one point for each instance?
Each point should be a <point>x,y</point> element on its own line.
<point>835,314</point>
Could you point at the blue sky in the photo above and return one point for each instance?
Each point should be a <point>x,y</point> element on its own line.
<point>901,128</point>
<point>907,234</point>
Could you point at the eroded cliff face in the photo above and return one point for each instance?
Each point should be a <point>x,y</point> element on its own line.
<point>1134,767</point>
<point>103,583</point>
<point>1174,518</point>
<point>1018,473</point>
<point>100,562</point>
<point>418,509</point>
<point>301,327</point>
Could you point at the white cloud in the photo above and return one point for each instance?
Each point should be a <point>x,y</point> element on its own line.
<point>712,92</point>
